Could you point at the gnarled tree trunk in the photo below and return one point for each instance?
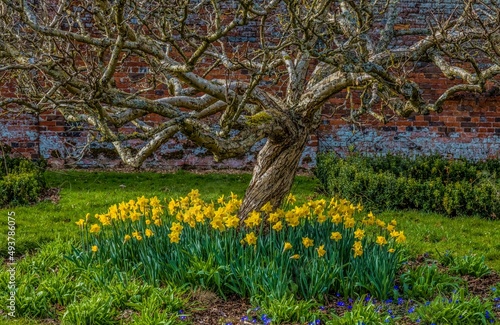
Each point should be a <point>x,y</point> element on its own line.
<point>274,172</point>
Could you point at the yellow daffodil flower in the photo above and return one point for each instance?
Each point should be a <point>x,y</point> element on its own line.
<point>336,219</point>
<point>251,239</point>
<point>232,221</point>
<point>172,205</point>
<point>148,233</point>
<point>336,236</point>
<point>176,227</point>
<point>174,237</point>
<point>295,256</point>
<point>287,246</point>
<point>307,242</point>
<point>267,208</point>
<point>357,248</point>
<point>80,223</point>
<point>381,240</point>
<point>394,233</point>
<point>135,216</point>
<point>359,234</point>
<point>321,250</point>
<point>401,238</point>
<point>275,216</point>
<point>253,220</point>
<point>154,202</point>
<point>349,223</point>
<point>278,226</point>
<point>95,228</point>
<point>95,248</point>
<point>218,224</point>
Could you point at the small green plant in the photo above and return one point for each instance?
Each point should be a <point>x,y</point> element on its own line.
<point>362,312</point>
<point>287,309</point>
<point>458,309</point>
<point>96,309</point>
<point>466,265</point>
<point>426,281</point>
<point>161,306</point>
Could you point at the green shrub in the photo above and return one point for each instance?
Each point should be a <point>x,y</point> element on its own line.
<point>23,188</point>
<point>21,181</point>
<point>430,183</point>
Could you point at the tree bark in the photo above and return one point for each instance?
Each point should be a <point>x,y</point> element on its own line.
<point>274,172</point>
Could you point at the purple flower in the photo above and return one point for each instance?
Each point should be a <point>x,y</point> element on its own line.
<point>411,310</point>
<point>341,304</point>
<point>244,318</point>
<point>400,301</point>
<point>266,319</point>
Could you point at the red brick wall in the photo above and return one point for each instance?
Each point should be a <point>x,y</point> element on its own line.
<point>468,126</point>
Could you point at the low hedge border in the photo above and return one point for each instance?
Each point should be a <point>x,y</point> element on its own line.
<point>428,183</point>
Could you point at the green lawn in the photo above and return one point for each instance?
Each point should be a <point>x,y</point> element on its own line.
<point>432,233</point>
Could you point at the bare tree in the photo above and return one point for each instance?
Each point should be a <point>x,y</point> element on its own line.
<point>236,71</point>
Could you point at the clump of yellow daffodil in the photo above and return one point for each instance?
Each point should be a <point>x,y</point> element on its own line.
<point>144,218</point>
